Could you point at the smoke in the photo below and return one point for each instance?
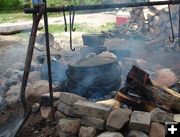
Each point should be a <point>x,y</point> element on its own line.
<point>58,70</point>
<point>95,76</point>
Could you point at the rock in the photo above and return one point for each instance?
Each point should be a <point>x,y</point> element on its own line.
<point>34,76</point>
<point>14,90</point>
<point>18,66</point>
<point>1,101</point>
<point>70,126</point>
<point>158,115</point>
<point>10,82</point>
<point>4,115</point>
<point>56,103</point>
<point>1,81</point>
<point>135,133</point>
<point>91,109</point>
<point>36,132</point>
<point>41,39</point>
<point>140,121</point>
<point>157,130</point>
<point>93,122</point>
<point>110,134</point>
<point>69,98</point>
<point>35,107</point>
<point>110,102</point>
<point>40,47</point>
<point>13,73</point>
<point>57,46</point>
<point>107,54</point>
<point>35,92</point>
<point>45,111</point>
<point>117,119</point>
<point>67,109</point>
<point>13,95</point>
<point>91,51</point>
<point>12,100</point>
<point>63,134</point>
<point>3,90</point>
<point>59,115</point>
<point>9,73</point>
<point>45,98</point>
<point>165,77</point>
<point>87,132</point>
<point>177,117</point>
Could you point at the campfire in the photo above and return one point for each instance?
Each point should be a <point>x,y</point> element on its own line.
<point>122,82</point>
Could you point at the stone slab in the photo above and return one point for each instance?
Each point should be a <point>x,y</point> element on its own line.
<point>69,98</point>
<point>66,109</point>
<point>93,122</point>
<point>86,108</point>
<point>140,121</point>
<point>117,119</point>
<point>87,132</point>
<point>157,130</point>
<point>110,134</point>
<point>158,115</point>
<point>70,126</point>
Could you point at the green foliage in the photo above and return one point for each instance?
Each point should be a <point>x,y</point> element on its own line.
<point>11,4</point>
<point>73,2</point>
<point>19,4</point>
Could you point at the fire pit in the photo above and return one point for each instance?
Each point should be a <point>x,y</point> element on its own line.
<point>94,77</point>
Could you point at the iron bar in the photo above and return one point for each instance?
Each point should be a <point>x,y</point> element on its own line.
<point>30,50</point>
<point>107,6</point>
<point>65,22</point>
<point>48,55</point>
<point>171,38</point>
<point>71,26</point>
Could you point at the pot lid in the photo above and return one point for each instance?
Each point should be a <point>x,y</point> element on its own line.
<point>94,61</point>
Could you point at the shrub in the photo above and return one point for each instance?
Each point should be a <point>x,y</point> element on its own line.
<point>11,4</point>
<point>19,4</point>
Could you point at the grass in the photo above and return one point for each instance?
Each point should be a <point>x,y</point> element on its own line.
<point>13,16</point>
<point>81,28</point>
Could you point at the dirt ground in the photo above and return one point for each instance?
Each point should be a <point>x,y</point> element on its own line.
<point>37,126</point>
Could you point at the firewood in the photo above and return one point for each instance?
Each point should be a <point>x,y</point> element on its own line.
<point>134,103</point>
<point>164,97</point>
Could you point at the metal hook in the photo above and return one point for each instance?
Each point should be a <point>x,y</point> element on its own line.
<point>71,27</point>
<point>65,22</point>
<point>171,39</point>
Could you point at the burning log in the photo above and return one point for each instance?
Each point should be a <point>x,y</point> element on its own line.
<point>140,92</point>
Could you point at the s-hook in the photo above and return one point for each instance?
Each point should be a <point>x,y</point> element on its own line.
<point>65,22</point>
<point>71,24</point>
<point>171,39</point>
